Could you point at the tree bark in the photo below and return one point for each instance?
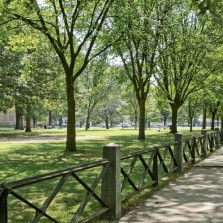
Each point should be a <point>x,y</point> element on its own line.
<point>50,118</point>
<point>212,120</point>
<point>191,115</point>
<point>28,124</point>
<point>71,129</point>
<point>87,125</point>
<point>174,119</point>
<point>204,122</point>
<point>164,120</point>
<point>191,124</point>
<point>22,123</point>
<point>213,114</point>
<point>89,111</point>
<point>34,123</point>
<point>28,120</point>
<point>142,113</point>
<point>106,123</point>
<point>18,116</point>
<point>136,118</point>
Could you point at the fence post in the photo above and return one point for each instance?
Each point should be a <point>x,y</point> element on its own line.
<point>155,167</point>
<point>193,150</point>
<point>204,132</point>
<point>3,206</point>
<point>218,138</point>
<point>178,151</point>
<point>111,182</point>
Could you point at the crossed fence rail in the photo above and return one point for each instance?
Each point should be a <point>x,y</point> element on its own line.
<point>143,169</point>
<point>63,176</point>
<point>193,148</point>
<point>136,172</point>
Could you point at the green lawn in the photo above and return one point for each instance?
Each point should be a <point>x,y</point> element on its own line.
<point>20,157</point>
<point>16,154</point>
<point>44,156</point>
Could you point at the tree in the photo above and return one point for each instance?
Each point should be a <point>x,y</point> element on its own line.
<point>130,107</point>
<point>215,94</point>
<point>210,97</point>
<point>108,110</point>
<point>137,50</point>
<point>10,66</point>
<point>213,7</point>
<point>72,28</point>
<point>34,74</point>
<point>163,107</point>
<point>192,103</point>
<point>96,84</point>
<point>185,62</point>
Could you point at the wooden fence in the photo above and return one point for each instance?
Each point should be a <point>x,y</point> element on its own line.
<point>118,178</point>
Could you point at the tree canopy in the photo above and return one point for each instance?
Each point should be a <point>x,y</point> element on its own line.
<point>74,56</point>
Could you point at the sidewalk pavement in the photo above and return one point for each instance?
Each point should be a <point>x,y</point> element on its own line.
<point>197,196</point>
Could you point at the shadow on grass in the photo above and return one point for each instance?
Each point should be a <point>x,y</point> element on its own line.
<point>24,160</point>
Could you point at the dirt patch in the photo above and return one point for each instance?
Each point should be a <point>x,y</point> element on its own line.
<point>44,139</point>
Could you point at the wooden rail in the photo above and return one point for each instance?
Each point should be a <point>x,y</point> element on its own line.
<point>143,169</point>
<point>63,176</point>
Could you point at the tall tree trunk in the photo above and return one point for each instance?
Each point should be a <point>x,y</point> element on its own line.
<point>136,118</point>
<point>22,123</point>
<point>212,120</point>
<point>87,125</point>
<point>50,117</point>
<point>34,123</point>
<point>61,122</point>
<point>71,129</point>
<point>191,116</point>
<point>106,123</point>
<point>148,124</point>
<point>164,120</point>
<point>213,114</point>
<point>142,113</point>
<point>28,119</point>
<point>191,124</point>
<point>28,124</point>
<point>18,116</point>
<point>91,107</point>
<point>174,119</point>
<point>204,122</point>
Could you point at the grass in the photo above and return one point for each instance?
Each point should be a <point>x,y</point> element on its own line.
<point>48,156</point>
<point>20,158</point>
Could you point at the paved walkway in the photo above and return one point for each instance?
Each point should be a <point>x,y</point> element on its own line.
<point>197,196</point>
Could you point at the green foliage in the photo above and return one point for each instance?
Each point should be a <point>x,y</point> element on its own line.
<point>175,44</point>
<point>10,82</point>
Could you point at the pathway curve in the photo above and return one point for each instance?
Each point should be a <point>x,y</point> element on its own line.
<point>197,196</point>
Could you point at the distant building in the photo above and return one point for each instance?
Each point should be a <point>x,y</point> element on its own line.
<point>7,119</point>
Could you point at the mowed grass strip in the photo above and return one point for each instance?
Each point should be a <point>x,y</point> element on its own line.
<point>24,155</point>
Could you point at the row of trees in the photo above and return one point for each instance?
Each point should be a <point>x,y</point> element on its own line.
<point>89,52</point>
